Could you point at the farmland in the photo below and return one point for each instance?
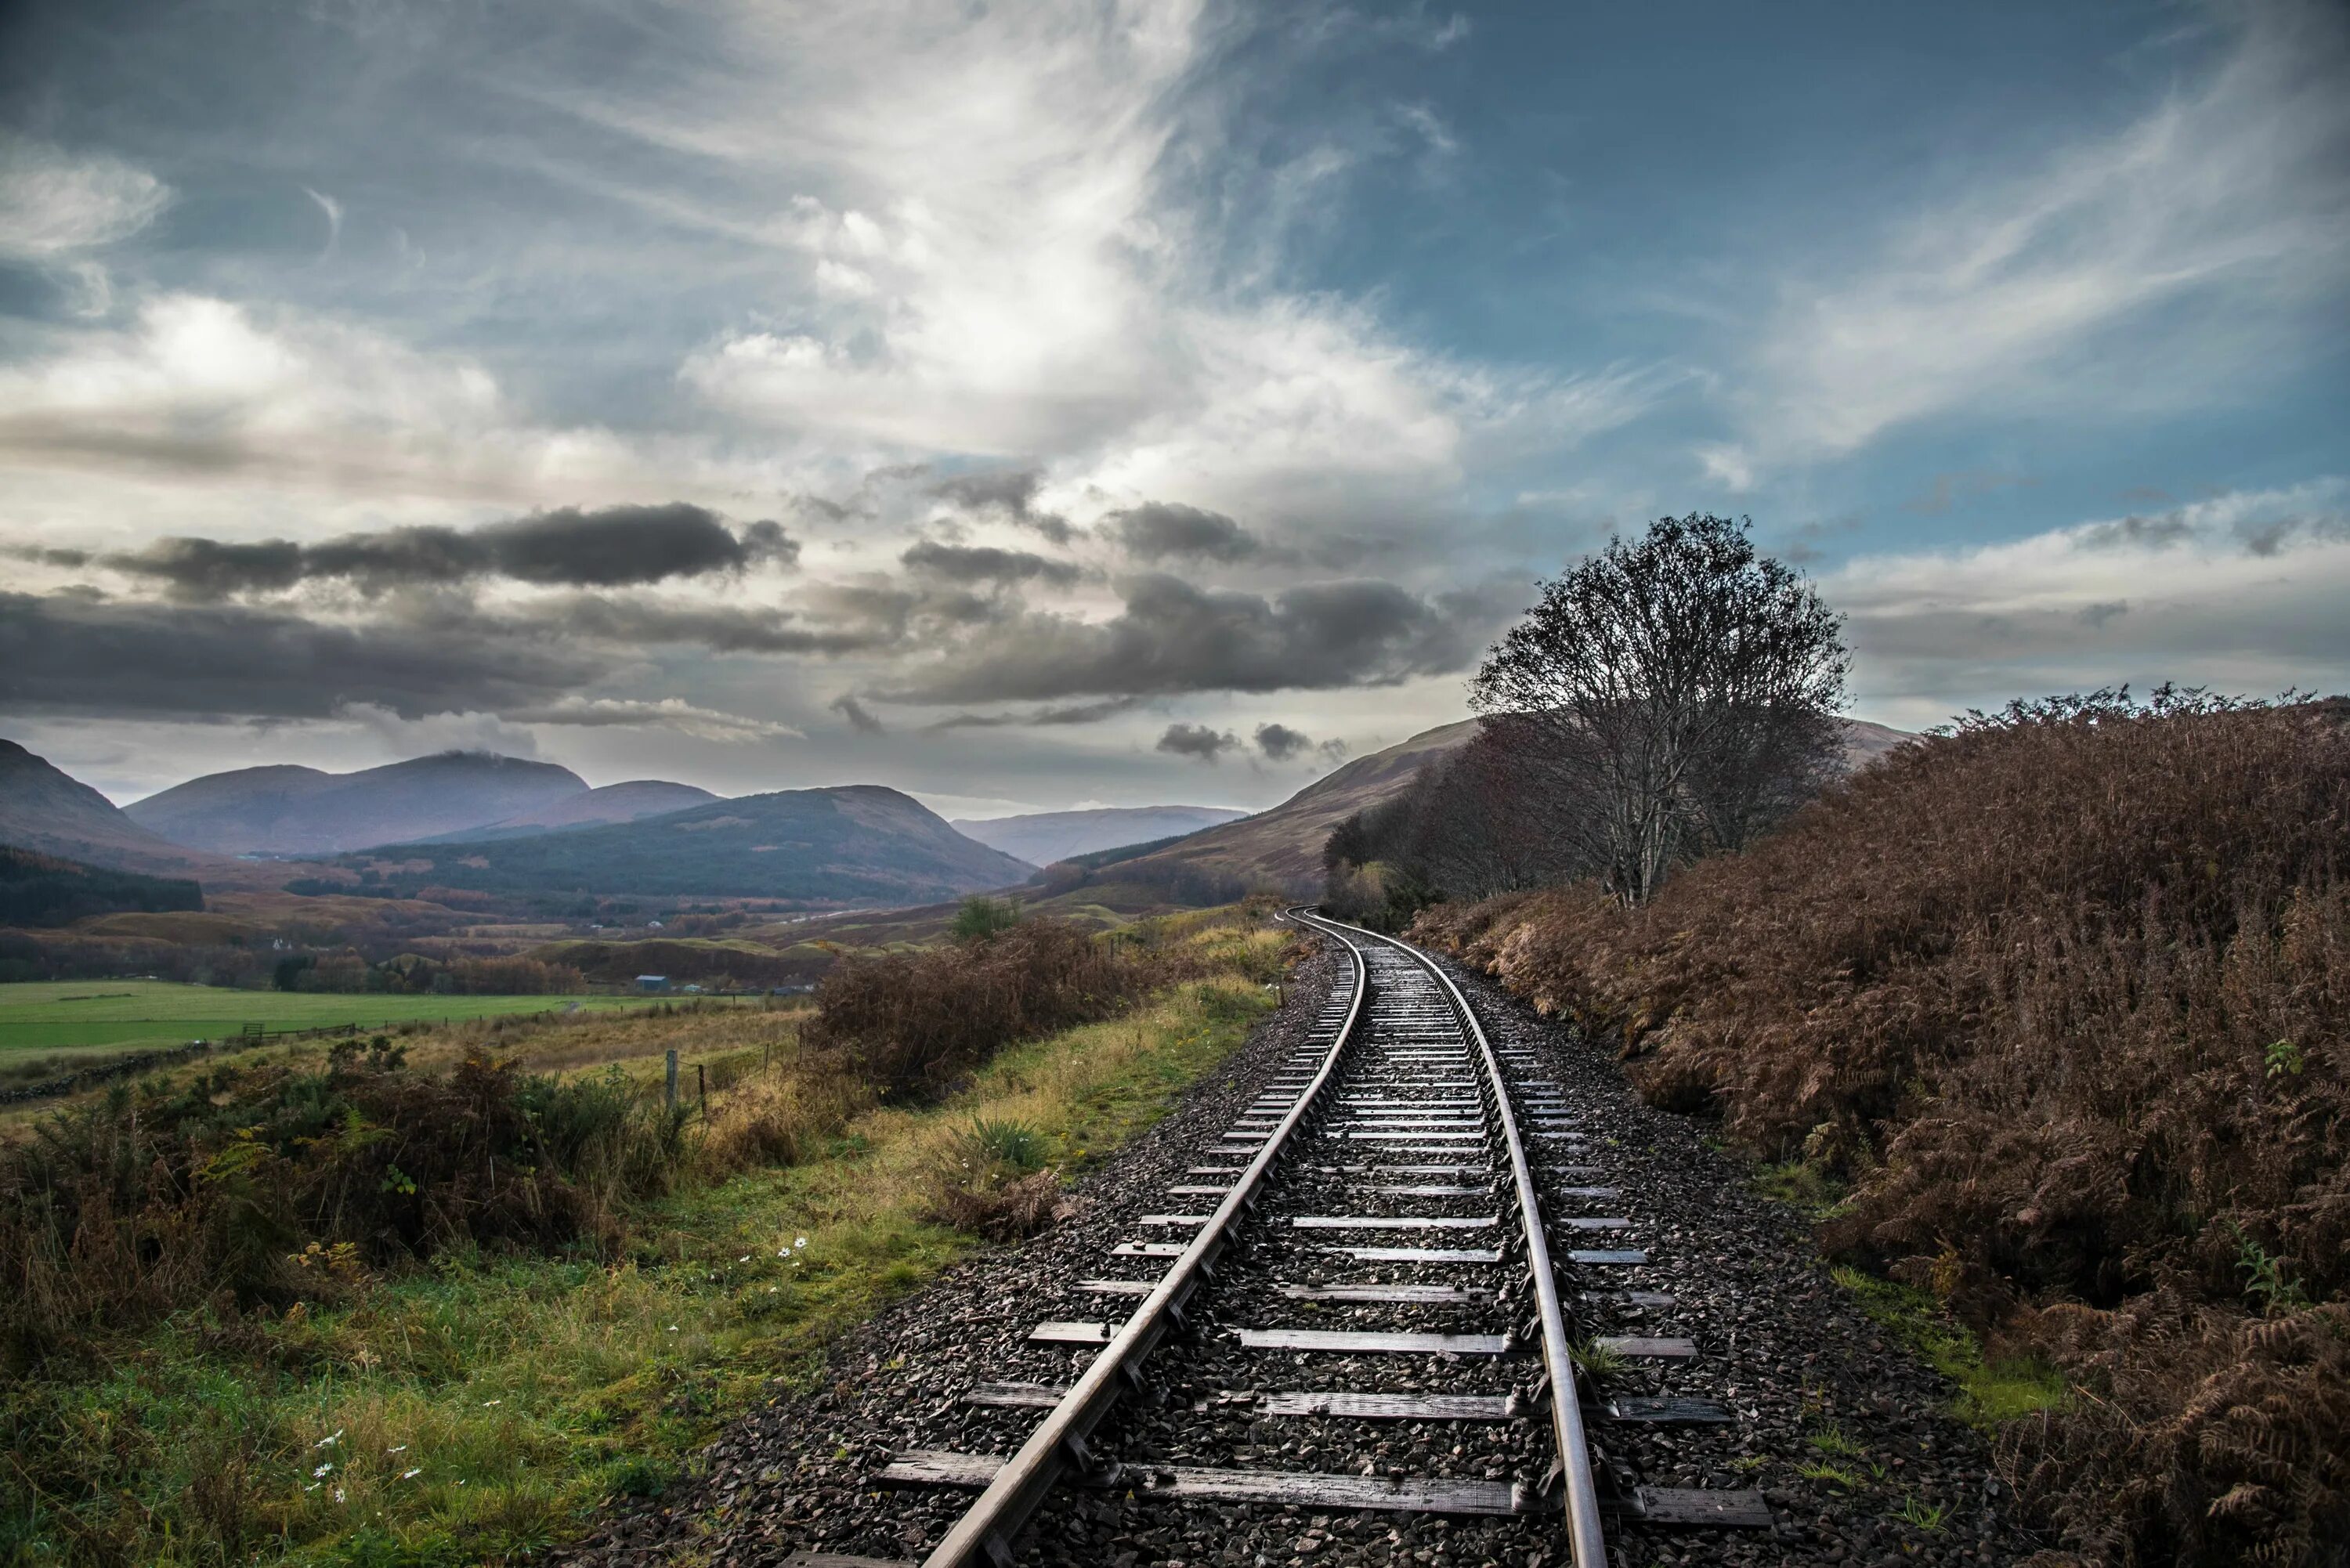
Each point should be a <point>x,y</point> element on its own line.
<point>78,1021</point>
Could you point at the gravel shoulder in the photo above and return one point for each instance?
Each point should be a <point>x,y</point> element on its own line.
<point>1813,1382</point>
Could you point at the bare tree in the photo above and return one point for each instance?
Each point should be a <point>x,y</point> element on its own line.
<point>1679,693</point>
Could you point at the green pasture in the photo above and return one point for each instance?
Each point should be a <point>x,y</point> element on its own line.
<point>84,1018</point>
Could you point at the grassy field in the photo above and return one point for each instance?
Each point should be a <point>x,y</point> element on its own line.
<point>85,1019</point>
<point>481,1408</point>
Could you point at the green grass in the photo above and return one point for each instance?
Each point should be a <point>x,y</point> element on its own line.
<point>524,1392</point>
<point>1990,1392</point>
<point>139,1014</point>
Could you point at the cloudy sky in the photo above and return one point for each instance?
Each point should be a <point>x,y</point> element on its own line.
<point>1037,404</point>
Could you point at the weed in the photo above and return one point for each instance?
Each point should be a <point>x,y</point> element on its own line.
<point>1831,1439</point>
<point>1599,1358</point>
<point>2265,1282</point>
<point>1931,1518</point>
<point>1013,1143</point>
<point>1828,1474</point>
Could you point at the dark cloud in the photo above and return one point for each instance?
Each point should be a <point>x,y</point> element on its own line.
<point>48,558</point>
<point>1279,743</point>
<point>2097,614</point>
<point>982,564</point>
<point>1157,530</point>
<point>1198,741</point>
<point>613,546</point>
<point>1070,713</point>
<point>2139,532</point>
<point>1010,492</point>
<point>62,654</point>
<point>1173,638</point>
<point>1945,491</point>
<point>860,719</point>
<point>720,629</point>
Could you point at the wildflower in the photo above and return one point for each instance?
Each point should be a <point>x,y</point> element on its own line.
<point>743,1259</point>
<point>772,1289</point>
<point>338,1494</point>
<point>801,1242</point>
<point>488,1403</point>
<point>322,1470</point>
<point>673,1328</point>
<point>412,1475</point>
<point>327,1442</point>
<point>400,1449</point>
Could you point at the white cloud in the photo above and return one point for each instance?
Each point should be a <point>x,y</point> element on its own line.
<point>2233,192</point>
<point>1003,264</point>
<point>54,202</point>
<point>200,391</point>
<point>2242,592</point>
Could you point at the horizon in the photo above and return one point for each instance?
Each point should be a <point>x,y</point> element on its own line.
<point>1126,404</point>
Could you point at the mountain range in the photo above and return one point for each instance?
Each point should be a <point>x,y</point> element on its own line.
<point>1041,837</point>
<point>291,812</point>
<point>854,844</point>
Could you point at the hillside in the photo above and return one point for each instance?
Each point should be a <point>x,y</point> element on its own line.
<point>47,890</point>
<point>855,843</point>
<point>1041,837</point>
<point>2061,997</point>
<point>631,802</point>
<point>45,809</point>
<point>1282,848</point>
<point>284,810</point>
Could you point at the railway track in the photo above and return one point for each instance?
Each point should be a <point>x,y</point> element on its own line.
<point>1399,1242</point>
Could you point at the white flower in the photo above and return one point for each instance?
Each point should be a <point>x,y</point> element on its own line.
<point>801,1242</point>
<point>743,1259</point>
<point>401,1449</point>
<point>488,1403</point>
<point>322,1470</point>
<point>412,1475</point>
<point>338,1494</point>
<point>327,1442</point>
<point>673,1328</point>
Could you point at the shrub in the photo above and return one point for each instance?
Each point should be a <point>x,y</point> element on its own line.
<point>276,1183</point>
<point>2064,993</point>
<point>914,1023</point>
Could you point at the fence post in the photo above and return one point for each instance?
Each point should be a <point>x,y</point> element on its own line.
<point>702,1088</point>
<point>669,1082</point>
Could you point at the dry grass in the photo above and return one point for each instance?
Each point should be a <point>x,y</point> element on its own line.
<point>2064,995</point>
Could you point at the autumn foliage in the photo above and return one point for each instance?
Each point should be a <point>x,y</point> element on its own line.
<point>2064,995</point>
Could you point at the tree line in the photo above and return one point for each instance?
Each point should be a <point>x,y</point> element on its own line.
<point>1667,698</point>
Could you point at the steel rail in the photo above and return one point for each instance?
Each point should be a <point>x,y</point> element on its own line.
<point>1585,1536</point>
<point>986,1530</point>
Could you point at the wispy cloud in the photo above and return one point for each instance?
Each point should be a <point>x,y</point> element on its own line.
<point>2232,193</point>
<point>54,202</point>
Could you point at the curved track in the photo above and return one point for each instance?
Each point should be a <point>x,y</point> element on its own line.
<point>1388,1181</point>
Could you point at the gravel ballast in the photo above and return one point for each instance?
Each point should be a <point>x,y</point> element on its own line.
<point>1813,1384</point>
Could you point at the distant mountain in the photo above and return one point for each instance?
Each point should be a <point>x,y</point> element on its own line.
<point>1282,848</point>
<point>1041,837</point>
<point>295,811</point>
<point>48,810</point>
<point>855,844</point>
<point>629,801</point>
